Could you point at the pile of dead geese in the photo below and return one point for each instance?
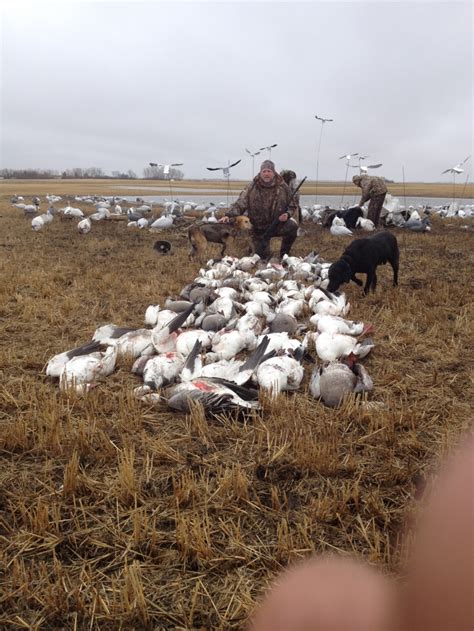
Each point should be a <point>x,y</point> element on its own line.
<point>242,325</point>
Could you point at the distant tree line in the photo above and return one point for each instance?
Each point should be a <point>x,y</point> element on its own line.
<point>150,173</point>
<point>27,174</point>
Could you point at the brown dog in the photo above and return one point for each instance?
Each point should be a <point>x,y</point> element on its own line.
<point>200,234</point>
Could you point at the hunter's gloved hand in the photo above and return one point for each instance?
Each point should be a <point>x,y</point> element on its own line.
<point>283,217</point>
<point>223,219</point>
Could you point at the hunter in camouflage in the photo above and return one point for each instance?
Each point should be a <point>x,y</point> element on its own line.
<point>265,199</point>
<point>373,189</point>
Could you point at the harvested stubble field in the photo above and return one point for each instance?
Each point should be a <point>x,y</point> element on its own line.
<point>115,514</point>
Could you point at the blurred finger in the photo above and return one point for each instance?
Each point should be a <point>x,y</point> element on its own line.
<point>439,591</point>
<point>327,594</point>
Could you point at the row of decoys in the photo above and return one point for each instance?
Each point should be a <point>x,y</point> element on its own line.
<point>139,216</point>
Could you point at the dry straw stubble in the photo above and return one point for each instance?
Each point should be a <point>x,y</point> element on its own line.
<point>119,514</point>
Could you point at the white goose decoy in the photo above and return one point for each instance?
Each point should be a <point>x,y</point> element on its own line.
<point>418,226</point>
<point>82,371</point>
<point>101,214</point>
<point>164,222</point>
<point>332,346</point>
<point>39,222</point>
<point>365,224</point>
<point>414,215</point>
<point>338,228</point>
<point>332,382</point>
<point>84,226</point>
<point>70,211</point>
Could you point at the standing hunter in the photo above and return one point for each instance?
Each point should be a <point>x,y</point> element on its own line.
<point>264,199</point>
<point>374,190</point>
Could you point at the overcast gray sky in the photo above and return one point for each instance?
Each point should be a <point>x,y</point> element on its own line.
<point>119,84</point>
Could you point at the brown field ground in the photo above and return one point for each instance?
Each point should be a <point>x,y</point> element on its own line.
<point>118,515</point>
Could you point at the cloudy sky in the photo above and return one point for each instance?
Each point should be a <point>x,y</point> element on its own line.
<point>119,84</point>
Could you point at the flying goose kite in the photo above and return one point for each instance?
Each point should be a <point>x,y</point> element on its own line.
<point>268,148</point>
<point>364,169</point>
<point>166,167</point>
<point>254,153</point>
<point>348,156</point>
<point>225,170</point>
<point>324,120</point>
<point>456,169</point>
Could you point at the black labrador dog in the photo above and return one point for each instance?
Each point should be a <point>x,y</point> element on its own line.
<point>363,255</point>
<point>350,216</point>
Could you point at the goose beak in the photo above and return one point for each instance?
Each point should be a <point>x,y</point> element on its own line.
<point>351,360</point>
<point>368,329</point>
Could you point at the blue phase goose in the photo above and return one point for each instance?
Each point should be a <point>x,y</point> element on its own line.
<point>333,381</point>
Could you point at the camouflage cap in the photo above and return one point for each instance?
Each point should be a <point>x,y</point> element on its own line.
<point>267,164</point>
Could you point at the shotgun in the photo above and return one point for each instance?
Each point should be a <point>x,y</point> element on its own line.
<point>272,228</point>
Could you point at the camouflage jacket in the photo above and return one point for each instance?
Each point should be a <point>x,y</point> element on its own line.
<point>263,203</point>
<point>370,185</point>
